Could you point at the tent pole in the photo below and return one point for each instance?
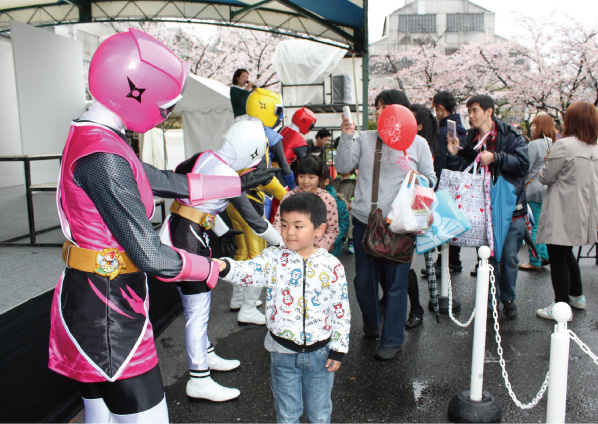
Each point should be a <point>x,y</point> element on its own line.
<point>365,66</point>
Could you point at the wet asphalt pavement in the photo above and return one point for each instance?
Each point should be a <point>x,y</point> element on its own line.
<point>417,386</point>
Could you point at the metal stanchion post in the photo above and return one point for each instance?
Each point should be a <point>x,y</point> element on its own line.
<point>559,365</point>
<point>476,405</point>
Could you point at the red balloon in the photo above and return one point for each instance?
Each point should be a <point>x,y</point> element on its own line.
<point>397,127</point>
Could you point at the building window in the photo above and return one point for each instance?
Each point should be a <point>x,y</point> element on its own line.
<point>464,22</point>
<point>417,23</point>
<point>90,42</point>
<point>451,50</point>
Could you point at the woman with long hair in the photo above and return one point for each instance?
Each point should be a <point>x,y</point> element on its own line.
<point>427,127</point>
<point>570,212</point>
<point>543,134</point>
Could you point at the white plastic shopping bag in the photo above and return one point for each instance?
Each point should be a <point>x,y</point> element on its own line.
<point>411,210</point>
<point>400,218</point>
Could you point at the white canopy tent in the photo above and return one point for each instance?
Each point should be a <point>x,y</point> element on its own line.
<point>303,61</point>
<point>207,114</point>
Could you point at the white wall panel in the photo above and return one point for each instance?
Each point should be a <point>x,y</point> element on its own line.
<point>11,173</point>
<point>51,92</point>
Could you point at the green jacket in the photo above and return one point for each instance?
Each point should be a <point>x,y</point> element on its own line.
<point>343,221</point>
<point>238,99</point>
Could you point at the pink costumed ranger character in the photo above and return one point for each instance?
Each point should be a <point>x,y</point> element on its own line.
<point>101,335</point>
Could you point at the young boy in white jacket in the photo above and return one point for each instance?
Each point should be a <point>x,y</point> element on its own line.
<point>307,308</point>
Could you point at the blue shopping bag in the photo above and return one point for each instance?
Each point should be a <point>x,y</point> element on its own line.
<point>449,222</point>
<point>504,202</point>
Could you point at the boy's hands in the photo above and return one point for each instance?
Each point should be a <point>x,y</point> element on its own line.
<point>332,365</point>
<point>221,264</point>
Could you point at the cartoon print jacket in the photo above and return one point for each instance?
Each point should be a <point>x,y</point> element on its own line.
<point>314,289</point>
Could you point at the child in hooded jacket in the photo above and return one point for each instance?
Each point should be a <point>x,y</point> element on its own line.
<point>307,307</point>
<point>343,214</point>
<point>310,175</point>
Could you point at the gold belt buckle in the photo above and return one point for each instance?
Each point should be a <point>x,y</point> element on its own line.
<point>109,263</point>
<point>208,221</point>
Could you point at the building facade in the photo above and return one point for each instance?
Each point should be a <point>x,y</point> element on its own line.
<point>452,23</point>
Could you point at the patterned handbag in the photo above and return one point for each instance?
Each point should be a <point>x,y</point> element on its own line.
<point>468,191</point>
<point>378,241</point>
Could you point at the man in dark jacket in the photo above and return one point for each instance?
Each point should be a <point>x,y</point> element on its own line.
<point>504,150</point>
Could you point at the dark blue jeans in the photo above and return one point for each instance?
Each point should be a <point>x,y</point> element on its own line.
<point>300,381</point>
<point>367,277</point>
<point>507,279</point>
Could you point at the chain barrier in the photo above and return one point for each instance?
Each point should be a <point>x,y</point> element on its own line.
<point>583,346</point>
<point>505,375</point>
<point>450,306</point>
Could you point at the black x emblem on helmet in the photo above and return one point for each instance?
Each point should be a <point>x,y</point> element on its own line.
<point>135,92</point>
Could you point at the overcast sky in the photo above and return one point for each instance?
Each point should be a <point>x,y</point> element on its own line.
<point>586,11</point>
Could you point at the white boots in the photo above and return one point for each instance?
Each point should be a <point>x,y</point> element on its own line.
<point>216,363</point>
<point>208,389</point>
<point>237,298</point>
<point>157,414</point>
<point>249,314</point>
<point>96,412</point>
<point>201,386</point>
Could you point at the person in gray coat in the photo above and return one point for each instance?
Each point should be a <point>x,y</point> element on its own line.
<point>359,153</point>
<point>570,210</point>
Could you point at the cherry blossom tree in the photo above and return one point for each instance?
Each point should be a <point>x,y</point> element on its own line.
<point>220,54</point>
<point>563,66</point>
<point>553,65</point>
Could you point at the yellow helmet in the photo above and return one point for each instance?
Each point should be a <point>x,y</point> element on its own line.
<point>266,106</point>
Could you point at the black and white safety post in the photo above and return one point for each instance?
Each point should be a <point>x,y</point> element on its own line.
<point>559,365</point>
<point>476,405</point>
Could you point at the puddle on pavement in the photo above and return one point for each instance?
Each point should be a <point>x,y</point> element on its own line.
<point>418,388</point>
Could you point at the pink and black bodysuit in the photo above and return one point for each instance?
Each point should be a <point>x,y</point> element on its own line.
<point>100,325</point>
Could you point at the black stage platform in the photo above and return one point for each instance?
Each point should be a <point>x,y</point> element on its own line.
<point>31,392</point>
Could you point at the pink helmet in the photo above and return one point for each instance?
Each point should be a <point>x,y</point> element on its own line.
<point>138,78</point>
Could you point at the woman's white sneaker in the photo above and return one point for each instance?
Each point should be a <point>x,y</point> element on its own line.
<point>578,302</point>
<point>546,313</point>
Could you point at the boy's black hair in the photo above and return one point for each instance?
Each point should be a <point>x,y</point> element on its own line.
<point>310,165</point>
<point>486,102</point>
<point>446,100</point>
<point>307,204</point>
<point>327,175</point>
<point>323,133</point>
<point>393,97</point>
